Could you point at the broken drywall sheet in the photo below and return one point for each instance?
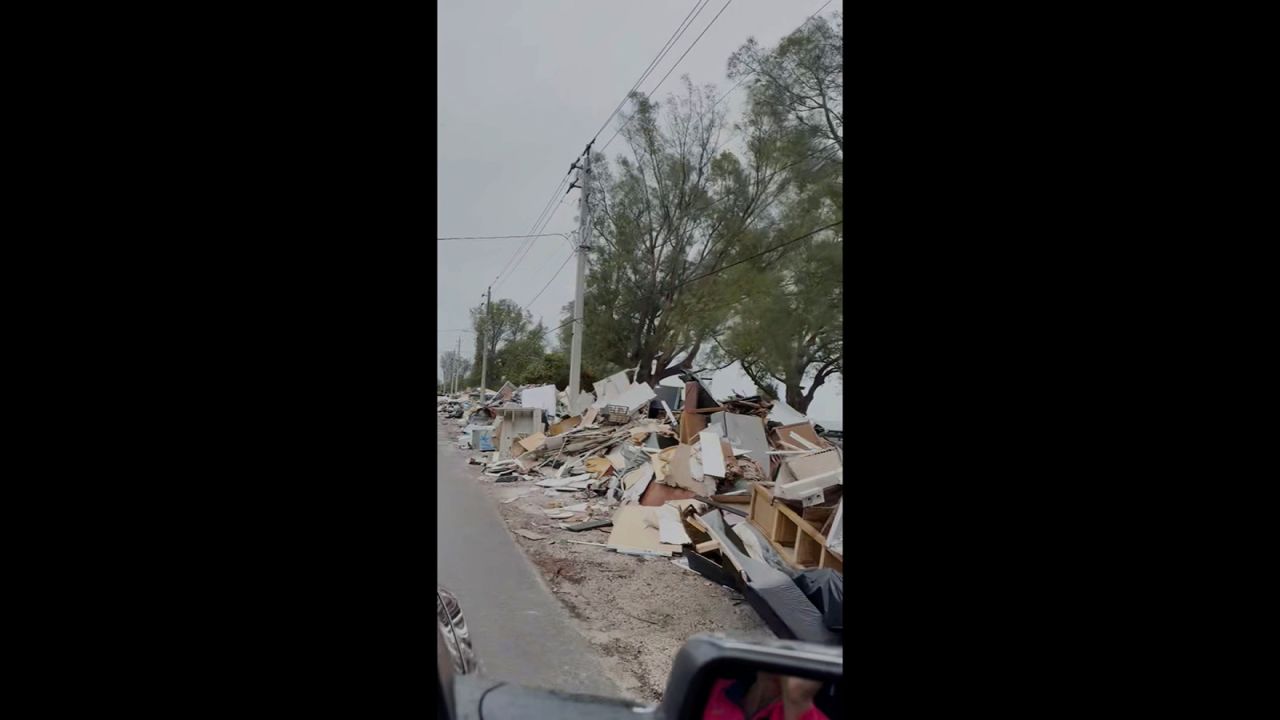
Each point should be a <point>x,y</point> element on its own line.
<point>712,455</point>
<point>744,431</point>
<point>785,414</point>
<point>670,528</point>
<point>580,405</point>
<point>543,398</point>
<point>635,397</point>
<point>803,475</point>
<point>611,386</point>
<point>636,483</point>
<point>680,471</point>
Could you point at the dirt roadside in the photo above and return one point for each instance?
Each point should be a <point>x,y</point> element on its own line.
<point>636,611</point>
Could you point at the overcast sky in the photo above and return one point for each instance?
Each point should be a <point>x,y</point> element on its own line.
<point>522,86</point>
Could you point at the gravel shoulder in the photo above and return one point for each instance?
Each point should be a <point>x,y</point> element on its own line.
<point>637,612</point>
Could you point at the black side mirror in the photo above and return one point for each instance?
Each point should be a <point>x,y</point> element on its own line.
<point>713,670</point>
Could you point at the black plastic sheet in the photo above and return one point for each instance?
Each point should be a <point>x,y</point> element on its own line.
<point>825,589</point>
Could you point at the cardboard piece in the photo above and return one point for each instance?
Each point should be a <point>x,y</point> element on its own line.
<point>630,533</point>
<point>529,534</point>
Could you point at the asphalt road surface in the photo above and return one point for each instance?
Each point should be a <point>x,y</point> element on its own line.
<point>520,632</point>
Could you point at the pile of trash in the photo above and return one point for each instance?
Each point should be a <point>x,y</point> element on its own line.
<point>672,471</point>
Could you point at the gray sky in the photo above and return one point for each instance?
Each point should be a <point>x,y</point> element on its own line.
<point>522,87</point>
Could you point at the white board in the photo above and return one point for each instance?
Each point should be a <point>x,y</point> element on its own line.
<point>712,454</point>
<point>540,397</point>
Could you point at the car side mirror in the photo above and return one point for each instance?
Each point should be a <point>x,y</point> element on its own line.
<point>712,673</point>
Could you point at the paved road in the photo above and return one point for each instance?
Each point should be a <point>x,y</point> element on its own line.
<point>519,630</point>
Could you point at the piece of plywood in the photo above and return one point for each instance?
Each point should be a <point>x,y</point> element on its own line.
<point>533,442</point>
<point>589,415</point>
<point>657,494</point>
<point>597,465</point>
<point>802,429</point>
<point>691,424</point>
<point>712,454</point>
<point>630,533</point>
<point>564,425</point>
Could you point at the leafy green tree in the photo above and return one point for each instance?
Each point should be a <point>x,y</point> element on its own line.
<point>802,79</point>
<point>672,214</point>
<point>502,323</point>
<point>789,328</point>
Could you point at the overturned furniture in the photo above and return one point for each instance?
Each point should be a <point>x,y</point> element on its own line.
<point>796,539</point>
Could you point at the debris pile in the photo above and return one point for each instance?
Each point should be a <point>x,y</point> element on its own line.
<point>747,490</point>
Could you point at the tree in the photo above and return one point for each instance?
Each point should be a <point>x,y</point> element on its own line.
<point>521,357</point>
<point>451,362</point>
<point>504,322</point>
<point>671,216</point>
<point>789,327</point>
<point>802,79</point>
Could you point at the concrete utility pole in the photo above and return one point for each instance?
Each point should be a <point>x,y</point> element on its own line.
<point>457,364</point>
<point>484,341</point>
<point>584,244</point>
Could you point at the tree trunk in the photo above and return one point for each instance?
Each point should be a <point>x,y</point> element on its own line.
<point>796,398</point>
<point>645,373</point>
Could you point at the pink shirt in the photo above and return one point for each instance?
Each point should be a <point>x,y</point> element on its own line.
<point>720,707</point>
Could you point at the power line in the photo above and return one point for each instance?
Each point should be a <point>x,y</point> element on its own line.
<point>529,246</point>
<point>673,68</point>
<point>496,237</point>
<point>824,7</point>
<point>553,277</point>
<point>675,36</point>
<point>554,194</point>
<point>691,46</point>
<point>722,268</point>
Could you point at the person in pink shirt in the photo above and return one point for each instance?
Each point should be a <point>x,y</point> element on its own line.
<point>769,697</point>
